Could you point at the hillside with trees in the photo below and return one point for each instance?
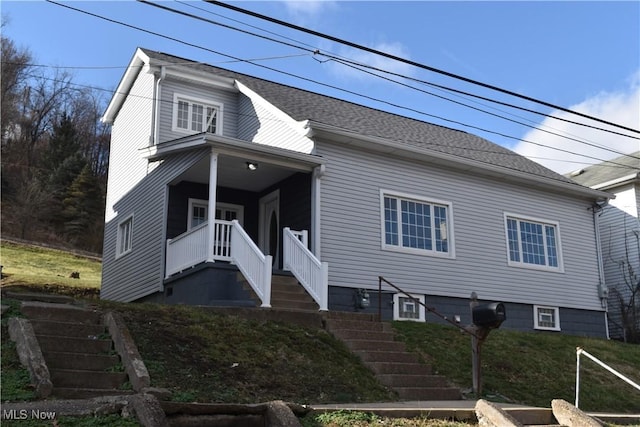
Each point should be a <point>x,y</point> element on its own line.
<point>55,153</point>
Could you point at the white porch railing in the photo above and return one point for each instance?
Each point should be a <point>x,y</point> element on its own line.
<point>254,265</point>
<point>312,274</point>
<point>579,352</point>
<point>186,250</point>
<point>231,243</point>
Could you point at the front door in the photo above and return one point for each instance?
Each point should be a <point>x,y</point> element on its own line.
<point>270,225</point>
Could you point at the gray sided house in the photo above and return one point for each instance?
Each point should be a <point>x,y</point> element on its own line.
<point>220,184</point>
<point>619,234</point>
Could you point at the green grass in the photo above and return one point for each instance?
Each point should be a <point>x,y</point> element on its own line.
<point>32,265</point>
<point>84,421</point>
<point>532,368</point>
<point>365,419</point>
<point>207,357</point>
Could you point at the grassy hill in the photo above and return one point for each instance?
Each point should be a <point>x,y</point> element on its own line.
<point>201,355</point>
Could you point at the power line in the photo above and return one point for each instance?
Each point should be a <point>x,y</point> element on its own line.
<point>413,63</point>
<point>321,84</point>
<point>353,64</point>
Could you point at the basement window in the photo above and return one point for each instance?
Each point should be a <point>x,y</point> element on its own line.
<point>408,307</point>
<point>546,318</point>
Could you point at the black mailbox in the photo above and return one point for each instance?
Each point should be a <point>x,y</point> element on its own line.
<point>489,315</point>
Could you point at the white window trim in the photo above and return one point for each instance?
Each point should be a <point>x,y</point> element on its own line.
<point>206,102</point>
<point>396,308</point>
<point>119,237</point>
<point>201,202</point>
<point>451,243</point>
<point>556,316</point>
<point>521,264</point>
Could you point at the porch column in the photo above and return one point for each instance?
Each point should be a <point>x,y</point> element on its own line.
<point>318,173</point>
<point>211,207</point>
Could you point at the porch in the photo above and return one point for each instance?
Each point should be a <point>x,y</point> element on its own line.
<point>255,201</point>
<point>233,245</point>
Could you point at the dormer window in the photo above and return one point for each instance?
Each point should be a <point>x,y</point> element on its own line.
<point>195,116</point>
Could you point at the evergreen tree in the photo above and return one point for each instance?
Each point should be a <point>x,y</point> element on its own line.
<point>83,211</point>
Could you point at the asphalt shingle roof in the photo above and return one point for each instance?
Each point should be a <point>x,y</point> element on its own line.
<point>608,171</point>
<point>305,105</point>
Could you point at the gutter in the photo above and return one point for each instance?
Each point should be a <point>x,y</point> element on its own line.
<point>401,149</point>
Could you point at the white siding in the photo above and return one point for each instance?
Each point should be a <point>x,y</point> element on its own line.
<point>227,98</point>
<point>141,271</point>
<point>619,224</point>
<point>260,123</point>
<point>130,132</point>
<point>351,233</point>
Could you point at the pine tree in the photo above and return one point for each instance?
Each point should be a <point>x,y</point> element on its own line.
<point>83,209</point>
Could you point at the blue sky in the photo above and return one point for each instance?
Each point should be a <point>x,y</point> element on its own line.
<point>580,55</point>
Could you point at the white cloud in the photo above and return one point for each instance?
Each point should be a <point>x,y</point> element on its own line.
<point>305,11</point>
<point>372,60</point>
<point>620,107</point>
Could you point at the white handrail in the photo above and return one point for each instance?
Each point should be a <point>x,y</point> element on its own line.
<point>186,250</point>
<point>312,274</point>
<point>252,263</point>
<point>580,351</point>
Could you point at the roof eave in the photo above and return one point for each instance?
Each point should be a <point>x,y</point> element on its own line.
<point>403,150</point>
<point>122,91</point>
<point>623,180</point>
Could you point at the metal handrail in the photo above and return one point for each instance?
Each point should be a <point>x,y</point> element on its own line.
<point>580,351</point>
<point>429,309</point>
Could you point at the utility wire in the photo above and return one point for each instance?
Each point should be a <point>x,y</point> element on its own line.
<point>353,65</point>
<point>316,82</point>
<point>413,63</point>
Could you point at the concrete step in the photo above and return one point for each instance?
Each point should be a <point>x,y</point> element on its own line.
<point>68,329</point>
<point>359,345</point>
<point>409,380</point>
<point>36,296</point>
<point>428,393</point>
<point>50,343</point>
<point>87,393</point>
<point>285,295</point>
<point>35,310</point>
<point>351,315</point>
<point>533,416</point>
<point>294,305</point>
<point>360,325</point>
<point>282,281</point>
<point>218,420</point>
<point>382,368</point>
<point>351,334</point>
<point>382,356</point>
<point>74,378</point>
<point>89,362</point>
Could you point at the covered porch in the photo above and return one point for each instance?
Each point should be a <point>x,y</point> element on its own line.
<point>254,208</point>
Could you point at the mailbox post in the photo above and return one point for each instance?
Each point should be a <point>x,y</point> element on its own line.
<point>485,317</point>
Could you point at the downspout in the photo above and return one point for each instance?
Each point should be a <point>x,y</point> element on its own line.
<point>157,93</point>
<point>318,173</point>
<point>603,290</point>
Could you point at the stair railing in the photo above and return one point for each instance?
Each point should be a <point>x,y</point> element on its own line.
<point>312,274</point>
<point>417,301</point>
<point>252,263</point>
<point>579,352</point>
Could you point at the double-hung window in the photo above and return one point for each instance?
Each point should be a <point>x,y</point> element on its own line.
<point>191,115</point>
<point>417,225</point>
<point>124,241</point>
<point>533,243</point>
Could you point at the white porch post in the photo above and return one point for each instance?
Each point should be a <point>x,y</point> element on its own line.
<point>211,207</point>
<point>318,173</point>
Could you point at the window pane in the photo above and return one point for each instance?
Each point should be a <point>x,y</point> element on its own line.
<point>416,225</point>
<point>512,232</point>
<point>197,114</point>
<point>183,115</point>
<point>212,118</point>
<point>546,317</point>
<point>532,243</point>
<point>552,251</point>
<point>390,221</point>
<point>440,216</point>
<point>409,308</point>
<point>198,215</point>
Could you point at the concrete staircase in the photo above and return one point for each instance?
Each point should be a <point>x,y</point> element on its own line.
<point>286,294</point>
<point>393,365</point>
<point>77,350</point>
